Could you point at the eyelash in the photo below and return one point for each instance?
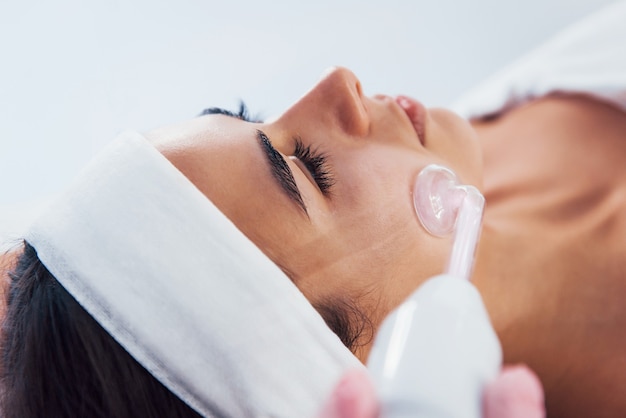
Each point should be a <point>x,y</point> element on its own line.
<point>314,161</point>
<point>242,114</point>
<point>317,165</point>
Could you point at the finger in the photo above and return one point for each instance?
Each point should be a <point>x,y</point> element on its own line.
<point>516,393</point>
<point>353,397</point>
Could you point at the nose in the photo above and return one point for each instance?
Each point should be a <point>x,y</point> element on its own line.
<point>337,99</point>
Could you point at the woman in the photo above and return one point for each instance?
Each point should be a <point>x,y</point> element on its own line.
<point>325,191</point>
<point>130,304</point>
<point>548,267</point>
<point>156,268</point>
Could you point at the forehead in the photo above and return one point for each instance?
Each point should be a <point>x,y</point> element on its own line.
<point>223,158</point>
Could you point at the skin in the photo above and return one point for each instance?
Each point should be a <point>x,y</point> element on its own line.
<point>362,241</point>
<point>7,263</point>
<point>550,263</point>
<point>515,393</point>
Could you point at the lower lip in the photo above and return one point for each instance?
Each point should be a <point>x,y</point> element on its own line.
<point>416,113</point>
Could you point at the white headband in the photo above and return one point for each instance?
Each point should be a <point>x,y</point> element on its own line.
<point>184,291</point>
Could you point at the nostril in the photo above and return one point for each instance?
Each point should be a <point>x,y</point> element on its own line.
<point>359,89</point>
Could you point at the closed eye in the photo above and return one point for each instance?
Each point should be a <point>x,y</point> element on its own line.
<point>317,165</point>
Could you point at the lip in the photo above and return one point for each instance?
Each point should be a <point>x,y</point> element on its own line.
<point>416,113</point>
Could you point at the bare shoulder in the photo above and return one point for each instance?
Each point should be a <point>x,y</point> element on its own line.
<point>564,139</point>
<point>558,105</point>
<point>555,184</point>
<point>554,117</point>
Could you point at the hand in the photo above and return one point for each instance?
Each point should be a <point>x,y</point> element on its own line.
<point>516,393</point>
<point>353,397</point>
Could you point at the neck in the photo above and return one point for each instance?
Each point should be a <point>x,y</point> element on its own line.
<point>492,275</point>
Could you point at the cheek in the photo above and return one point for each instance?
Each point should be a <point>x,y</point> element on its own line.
<point>381,238</point>
<point>381,265</point>
<point>277,229</point>
<point>421,261</point>
<point>379,252</point>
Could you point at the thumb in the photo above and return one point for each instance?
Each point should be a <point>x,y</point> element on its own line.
<point>516,393</point>
<point>353,397</point>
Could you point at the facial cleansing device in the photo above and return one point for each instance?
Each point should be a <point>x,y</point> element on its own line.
<point>434,354</point>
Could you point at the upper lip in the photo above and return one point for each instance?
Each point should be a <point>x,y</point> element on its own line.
<point>416,112</point>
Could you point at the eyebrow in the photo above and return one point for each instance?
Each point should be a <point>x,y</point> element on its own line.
<point>281,171</point>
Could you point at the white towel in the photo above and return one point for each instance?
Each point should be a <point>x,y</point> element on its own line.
<point>588,57</point>
<point>184,291</point>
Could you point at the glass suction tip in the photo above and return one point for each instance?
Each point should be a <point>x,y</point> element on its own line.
<point>444,206</point>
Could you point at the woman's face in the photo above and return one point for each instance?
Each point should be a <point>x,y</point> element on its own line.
<point>325,190</point>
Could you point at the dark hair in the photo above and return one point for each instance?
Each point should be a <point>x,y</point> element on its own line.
<point>346,318</point>
<point>57,361</point>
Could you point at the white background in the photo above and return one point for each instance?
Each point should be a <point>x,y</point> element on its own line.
<point>75,73</point>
